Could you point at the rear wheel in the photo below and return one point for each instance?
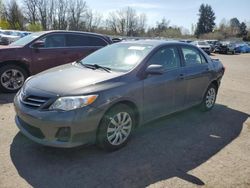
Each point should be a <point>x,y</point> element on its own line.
<point>209,98</point>
<point>116,127</point>
<point>12,78</point>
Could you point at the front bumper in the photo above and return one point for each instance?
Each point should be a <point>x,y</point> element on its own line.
<point>42,126</point>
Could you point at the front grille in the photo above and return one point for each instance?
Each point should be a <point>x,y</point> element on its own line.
<point>34,101</point>
<point>34,131</point>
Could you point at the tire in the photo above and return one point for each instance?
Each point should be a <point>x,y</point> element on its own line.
<point>208,102</point>
<point>12,78</point>
<point>111,132</point>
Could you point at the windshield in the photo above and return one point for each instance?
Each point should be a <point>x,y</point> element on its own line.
<point>119,57</point>
<point>27,39</point>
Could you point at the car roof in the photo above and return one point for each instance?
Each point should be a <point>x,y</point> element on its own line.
<point>78,32</point>
<point>68,31</point>
<point>154,42</point>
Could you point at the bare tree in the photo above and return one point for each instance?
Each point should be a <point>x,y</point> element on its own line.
<point>1,9</point>
<point>127,22</point>
<point>131,20</point>
<point>43,9</point>
<point>112,22</point>
<point>14,16</point>
<point>31,10</point>
<point>142,23</point>
<point>76,12</point>
<point>93,20</point>
<point>60,18</point>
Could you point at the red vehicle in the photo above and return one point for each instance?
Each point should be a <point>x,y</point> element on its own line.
<point>43,50</point>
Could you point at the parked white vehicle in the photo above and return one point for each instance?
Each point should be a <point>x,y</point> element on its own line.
<point>203,45</point>
<point>9,36</point>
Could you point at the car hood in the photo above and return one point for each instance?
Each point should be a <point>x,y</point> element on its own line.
<point>71,79</point>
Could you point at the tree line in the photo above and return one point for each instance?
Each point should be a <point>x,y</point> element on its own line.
<point>37,15</point>
<point>206,27</point>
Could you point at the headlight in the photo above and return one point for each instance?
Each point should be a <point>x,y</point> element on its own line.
<point>73,102</point>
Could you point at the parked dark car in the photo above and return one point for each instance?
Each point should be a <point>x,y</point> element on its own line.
<point>105,96</point>
<point>43,50</point>
<point>212,44</point>
<point>225,48</point>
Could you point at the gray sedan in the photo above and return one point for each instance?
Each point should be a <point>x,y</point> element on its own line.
<point>105,96</point>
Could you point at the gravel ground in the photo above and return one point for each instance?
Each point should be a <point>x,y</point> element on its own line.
<point>187,149</point>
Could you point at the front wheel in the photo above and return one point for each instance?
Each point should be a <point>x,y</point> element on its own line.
<point>209,98</point>
<point>12,78</point>
<point>115,128</point>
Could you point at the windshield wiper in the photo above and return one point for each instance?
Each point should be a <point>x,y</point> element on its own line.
<point>95,66</point>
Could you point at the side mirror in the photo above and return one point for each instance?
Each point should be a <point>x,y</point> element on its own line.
<point>38,44</point>
<point>154,69</point>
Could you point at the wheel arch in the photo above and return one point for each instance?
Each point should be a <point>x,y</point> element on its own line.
<point>131,105</point>
<point>17,63</point>
<point>215,82</point>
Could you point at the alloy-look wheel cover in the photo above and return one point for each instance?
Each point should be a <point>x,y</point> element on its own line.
<point>119,128</point>
<point>12,79</point>
<point>210,98</point>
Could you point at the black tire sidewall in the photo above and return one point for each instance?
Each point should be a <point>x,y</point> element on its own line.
<point>7,67</point>
<point>102,140</point>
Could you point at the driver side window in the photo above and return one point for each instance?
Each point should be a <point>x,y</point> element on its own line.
<point>168,57</point>
<point>53,41</point>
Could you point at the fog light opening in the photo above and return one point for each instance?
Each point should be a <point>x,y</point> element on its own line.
<point>63,134</point>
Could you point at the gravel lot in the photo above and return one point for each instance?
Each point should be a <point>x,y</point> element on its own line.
<point>187,149</point>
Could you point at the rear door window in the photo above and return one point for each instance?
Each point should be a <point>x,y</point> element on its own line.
<point>192,56</point>
<point>54,41</point>
<point>79,40</point>
<point>96,41</point>
<point>76,40</point>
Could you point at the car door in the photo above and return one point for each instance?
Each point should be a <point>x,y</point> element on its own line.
<point>197,74</point>
<point>82,45</point>
<point>51,52</point>
<point>164,93</point>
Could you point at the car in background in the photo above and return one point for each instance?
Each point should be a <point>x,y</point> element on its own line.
<point>116,39</point>
<point>186,41</point>
<point>202,45</point>
<point>8,36</point>
<point>212,44</point>
<point>43,50</point>
<point>105,96</point>
<point>225,47</point>
<point>242,48</point>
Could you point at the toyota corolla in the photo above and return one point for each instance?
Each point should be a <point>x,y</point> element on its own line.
<point>105,96</point>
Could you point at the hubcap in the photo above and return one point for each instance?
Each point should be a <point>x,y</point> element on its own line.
<point>12,79</point>
<point>119,128</point>
<point>210,98</point>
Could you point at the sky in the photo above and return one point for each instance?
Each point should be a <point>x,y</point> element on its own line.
<point>182,13</point>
